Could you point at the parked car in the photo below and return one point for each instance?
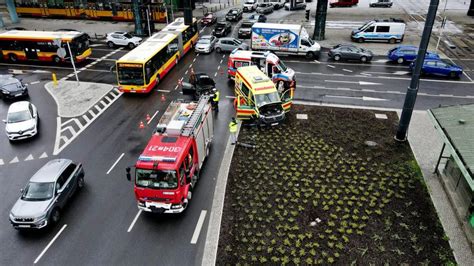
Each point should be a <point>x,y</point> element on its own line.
<point>205,44</point>
<point>350,52</point>
<point>229,44</point>
<point>208,19</point>
<point>343,3</point>
<point>234,14</point>
<point>122,38</point>
<point>258,18</point>
<point>46,194</point>
<point>264,8</point>
<point>11,87</point>
<point>222,29</point>
<point>249,5</point>
<point>439,67</point>
<point>407,53</point>
<point>381,3</point>
<point>245,30</point>
<point>297,6</point>
<point>277,4</point>
<point>22,121</point>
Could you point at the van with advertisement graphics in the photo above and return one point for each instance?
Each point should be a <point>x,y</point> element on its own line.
<point>257,100</point>
<point>281,75</point>
<point>389,30</point>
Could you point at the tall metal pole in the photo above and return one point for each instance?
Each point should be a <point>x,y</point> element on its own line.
<point>412,91</point>
<point>137,17</point>
<point>72,61</point>
<point>443,24</point>
<point>12,11</point>
<point>320,21</point>
<point>148,20</point>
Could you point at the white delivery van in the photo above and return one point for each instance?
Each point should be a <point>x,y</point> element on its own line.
<point>390,30</point>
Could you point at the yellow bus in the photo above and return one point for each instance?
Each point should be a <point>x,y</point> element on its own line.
<point>21,45</point>
<point>257,98</point>
<point>141,69</point>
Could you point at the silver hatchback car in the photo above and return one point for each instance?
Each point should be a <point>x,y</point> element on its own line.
<point>228,44</point>
<point>46,194</point>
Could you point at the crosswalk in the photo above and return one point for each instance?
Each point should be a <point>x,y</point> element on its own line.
<point>69,128</point>
<point>330,24</point>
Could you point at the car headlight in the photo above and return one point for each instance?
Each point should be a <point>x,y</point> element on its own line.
<point>31,128</point>
<point>5,92</point>
<point>12,217</point>
<point>39,218</point>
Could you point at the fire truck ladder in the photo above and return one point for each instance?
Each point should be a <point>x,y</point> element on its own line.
<point>192,122</point>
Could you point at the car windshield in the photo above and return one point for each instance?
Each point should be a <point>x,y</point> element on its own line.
<point>262,5</point>
<point>128,36</point>
<point>11,87</point>
<point>234,11</point>
<point>204,40</point>
<point>160,179</point>
<point>130,75</point>
<point>282,66</point>
<point>20,116</point>
<point>263,99</point>
<point>249,2</point>
<point>220,25</point>
<point>38,191</point>
<point>246,25</point>
<point>206,82</point>
<point>238,42</point>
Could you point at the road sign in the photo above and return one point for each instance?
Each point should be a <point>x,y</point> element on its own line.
<point>61,52</point>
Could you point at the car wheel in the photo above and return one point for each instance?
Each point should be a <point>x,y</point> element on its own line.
<point>80,182</point>
<point>360,40</point>
<point>309,55</point>
<point>56,59</point>
<point>110,44</point>
<point>55,216</point>
<point>453,75</point>
<point>400,60</point>
<point>131,45</point>
<point>363,59</point>
<point>337,57</point>
<point>13,58</point>
<point>218,50</point>
<point>392,40</point>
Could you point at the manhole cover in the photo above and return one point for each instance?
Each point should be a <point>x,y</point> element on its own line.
<point>302,116</point>
<point>381,116</point>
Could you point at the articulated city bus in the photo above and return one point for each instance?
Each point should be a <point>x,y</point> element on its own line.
<point>19,45</point>
<point>143,67</point>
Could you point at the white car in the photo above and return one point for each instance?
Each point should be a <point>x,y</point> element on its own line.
<point>122,38</point>
<point>205,44</point>
<point>22,121</point>
<point>249,5</point>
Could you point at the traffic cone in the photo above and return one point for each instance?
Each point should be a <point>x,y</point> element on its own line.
<point>148,117</point>
<point>142,126</point>
<point>163,97</point>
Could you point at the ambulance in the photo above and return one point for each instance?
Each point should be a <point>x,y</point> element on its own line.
<point>257,99</point>
<point>168,169</point>
<point>268,62</point>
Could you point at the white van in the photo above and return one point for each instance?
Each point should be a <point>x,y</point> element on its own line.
<point>391,30</point>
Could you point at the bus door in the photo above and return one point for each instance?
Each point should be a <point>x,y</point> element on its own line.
<point>30,52</point>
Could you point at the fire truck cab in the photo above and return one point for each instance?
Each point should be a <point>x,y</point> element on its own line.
<point>167,170</point>
<point>258,100</point>
<point>267,62</point>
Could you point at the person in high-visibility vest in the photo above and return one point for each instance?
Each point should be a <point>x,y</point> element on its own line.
<point>233,130</point>
<point>215,99</point>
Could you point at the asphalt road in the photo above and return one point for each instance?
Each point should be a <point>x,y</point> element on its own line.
<point>102,224</point>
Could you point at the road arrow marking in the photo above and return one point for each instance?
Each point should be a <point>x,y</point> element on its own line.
<point>29,158</point>
<point>41,71</point>
<point>353,82</point>
<point>44,155</point>
<point>373,99</point>
<point>364,98</point>
<point>15,160</point>
<point>368,83</point>
<point>95,45</point>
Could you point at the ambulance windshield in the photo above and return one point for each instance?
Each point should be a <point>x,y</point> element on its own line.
<point>160,179</point>
<point>264,99</point>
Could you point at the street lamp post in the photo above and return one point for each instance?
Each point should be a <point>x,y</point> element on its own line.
<point>443,24</point>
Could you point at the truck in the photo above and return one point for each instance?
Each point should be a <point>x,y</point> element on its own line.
<point>167,170</point>
<point>283,38</point>
<point>269,63</point>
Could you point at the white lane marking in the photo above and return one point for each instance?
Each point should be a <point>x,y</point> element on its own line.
<point>199,224</point>
<point>331,66</point>
<point>149,121</point>
<point>215,74</point>
<point>134,221</point>
<point>219,67</point>
<point>1,162</point>
<point>316,61</point>
<point>221,61</point>
<point>190,66</point>
<point>347,70</point>
<point>223,56</point>
<point>230,97</point>
<point>167,91</point>
<point>15,160</point>
<point>50,243</point>
<point>194,60</point>
<point>185,73</point>
<point>29,158</point>
<point>116,162</point>
<point>35,82</point>
<point>175,88</point>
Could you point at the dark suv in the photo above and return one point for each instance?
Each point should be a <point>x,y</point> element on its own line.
<point>235,14</point>
<point>222,29</point>
<point>11,87</point>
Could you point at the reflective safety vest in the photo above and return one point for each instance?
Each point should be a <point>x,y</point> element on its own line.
<point>233,127</point>
<point>216,97</point>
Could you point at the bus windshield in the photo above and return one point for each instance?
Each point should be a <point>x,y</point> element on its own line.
<point>263,99</point>
<point>130,75</point>
<point>160,179</point>
<point>80,44</point>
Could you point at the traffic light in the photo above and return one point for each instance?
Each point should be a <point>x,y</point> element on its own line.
<point>307,14</point>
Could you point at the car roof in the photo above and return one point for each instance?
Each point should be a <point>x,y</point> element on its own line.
<point>18,106</point>
<point>227,39</point>
<point>206,37</point>
<point>407,47</point>
<point>8,80</point>
<point>50,171</point>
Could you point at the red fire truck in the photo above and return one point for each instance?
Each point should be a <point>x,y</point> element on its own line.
<point>167,170</point>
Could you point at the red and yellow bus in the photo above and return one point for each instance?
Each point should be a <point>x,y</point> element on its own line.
<point>20,45</point>
<point>141,69</point>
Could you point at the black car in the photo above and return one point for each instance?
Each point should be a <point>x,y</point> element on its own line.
<point>350,52</point>
<point>235,14</point>
<point>258,18</point>
<point>245,30</point>
<point>11,87</point>
<point>199,84</point>
<point>222,29</point>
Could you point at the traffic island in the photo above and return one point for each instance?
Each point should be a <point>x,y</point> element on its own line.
<point>330,185</point>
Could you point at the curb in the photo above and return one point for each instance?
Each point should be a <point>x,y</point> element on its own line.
<point>214,226</point>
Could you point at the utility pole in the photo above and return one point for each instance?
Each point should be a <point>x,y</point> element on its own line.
<point>470,11</point>
<point>320,21</point>
<point>137,17</point>
<point>412,91</point>
<point>188,12</point>
<point>12,11</point>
